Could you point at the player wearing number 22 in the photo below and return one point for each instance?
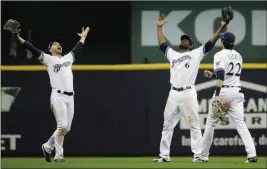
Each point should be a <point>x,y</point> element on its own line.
<point>62,96</point>
<point>227,70</point>
<point>182,99</point>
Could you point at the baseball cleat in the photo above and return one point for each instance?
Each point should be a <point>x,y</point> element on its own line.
<point>199,160</point>
<point>47,156</point>
<point>59,160</point>
<point>161,160</point>
<point>252,160</point>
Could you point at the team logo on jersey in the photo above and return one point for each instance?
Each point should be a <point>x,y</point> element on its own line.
<point>218,63</point>
<point>181,59</point>
<point>57,67</point>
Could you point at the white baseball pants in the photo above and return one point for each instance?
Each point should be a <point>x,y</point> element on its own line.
<point>236,112</point>
<point>181,103</point>
<point>63,109</point>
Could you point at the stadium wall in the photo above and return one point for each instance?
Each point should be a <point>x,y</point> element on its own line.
<point>119,111</point>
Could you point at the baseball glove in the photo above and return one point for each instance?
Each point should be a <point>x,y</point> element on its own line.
<point>227,14</point>
<point>13,26</point>
<point>220,106</point>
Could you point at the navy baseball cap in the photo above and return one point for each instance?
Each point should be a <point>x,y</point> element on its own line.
<point>191,42</point>
<point>228,37</point>
<point>54,40</point>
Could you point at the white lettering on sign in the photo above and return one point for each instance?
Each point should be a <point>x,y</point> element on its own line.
<point>238,27</point>
<point>252,105</point>
<point>171,29</point>
<point>253,121</point>
<point>227,141</point>
<point>203,26</point>
<point>148,31</point>
<point>259,27</point>
<point>9,141</point>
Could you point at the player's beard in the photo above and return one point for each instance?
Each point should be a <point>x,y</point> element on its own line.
<point>183,47</point>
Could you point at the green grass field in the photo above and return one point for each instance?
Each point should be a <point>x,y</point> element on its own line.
<point>131,162</point>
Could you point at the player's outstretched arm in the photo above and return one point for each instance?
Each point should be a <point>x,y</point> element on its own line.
<point>160,23</point>
<point>35,51</point>
<point>161,39</point>
<point>210,44</point>
<point>80,44</point>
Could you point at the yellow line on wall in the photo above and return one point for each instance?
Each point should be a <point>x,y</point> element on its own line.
<point>161,66</point>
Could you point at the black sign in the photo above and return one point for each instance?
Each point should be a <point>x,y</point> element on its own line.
<point>118,113</point>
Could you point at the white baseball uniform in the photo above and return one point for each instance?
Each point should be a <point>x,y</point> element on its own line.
<point>231,62</point>
<point>61,80</point>
<point>183,71</point>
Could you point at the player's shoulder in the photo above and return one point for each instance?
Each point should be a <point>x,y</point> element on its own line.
<point>197,49</point>
<point>69,53</point>
<point>220,53</point>
<point>172,52</point>
<point>46,54</point>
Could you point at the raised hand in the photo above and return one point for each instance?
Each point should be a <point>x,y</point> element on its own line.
<point>161,20</point>
<point>84,32</point>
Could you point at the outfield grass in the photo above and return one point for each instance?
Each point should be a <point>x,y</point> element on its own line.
<point>131,162</point>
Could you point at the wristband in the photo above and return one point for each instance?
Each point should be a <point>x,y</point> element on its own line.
<point>217,91</point>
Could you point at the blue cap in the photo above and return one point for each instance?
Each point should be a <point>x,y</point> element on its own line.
<point>189,39</point>
<point>228,37</point>
<point>54,40</point>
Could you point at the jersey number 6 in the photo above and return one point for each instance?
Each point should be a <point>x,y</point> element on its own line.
<point>187,65</point>
<point>231,72</point>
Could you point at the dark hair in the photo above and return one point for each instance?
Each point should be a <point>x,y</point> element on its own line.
<point>228,45</point>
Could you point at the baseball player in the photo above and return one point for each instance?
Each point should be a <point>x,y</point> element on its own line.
<point>182,99</point>
<point>227,71</point>
<point>59,69</point>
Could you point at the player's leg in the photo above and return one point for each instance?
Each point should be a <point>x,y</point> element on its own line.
<point>48,147</point>
<point>189,111</point>
<point>60,112</point>
<point>236,112</point>
<point>70,113</point>
<point>59,108</point>
<point>171,118</point>
<point>208,135</point>
<point>50,144</point>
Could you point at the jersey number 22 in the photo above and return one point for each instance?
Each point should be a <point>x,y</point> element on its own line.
<point>233,68</point>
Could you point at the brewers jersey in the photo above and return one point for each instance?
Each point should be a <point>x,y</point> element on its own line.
<point>184,66</point>
<point>59,70</point>
<point>231,62</point>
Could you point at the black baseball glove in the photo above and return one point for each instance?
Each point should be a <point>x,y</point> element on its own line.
<point>13,26</point>
<point>227,14</point>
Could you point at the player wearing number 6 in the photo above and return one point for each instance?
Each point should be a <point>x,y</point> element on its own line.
<point>227,70</point>
<point>182,99</point>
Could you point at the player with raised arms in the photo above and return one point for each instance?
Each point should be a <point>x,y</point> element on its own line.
<point>182,99</point>
<point>59,68</point>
